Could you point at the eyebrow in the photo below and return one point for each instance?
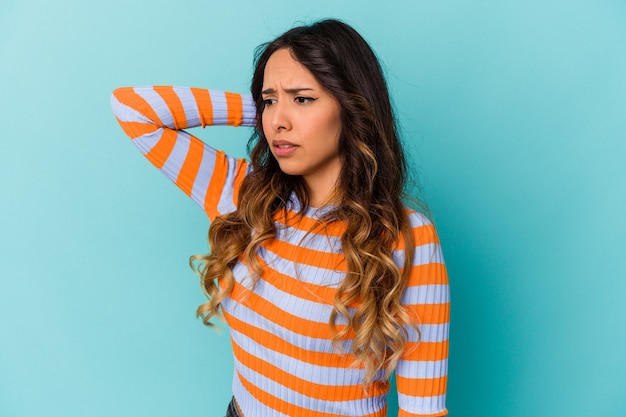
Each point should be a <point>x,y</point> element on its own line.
<point>287,90</point>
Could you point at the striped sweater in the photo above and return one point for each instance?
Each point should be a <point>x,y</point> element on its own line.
<point>285,364</point>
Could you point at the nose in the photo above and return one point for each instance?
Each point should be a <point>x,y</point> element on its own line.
<point>279,116</point>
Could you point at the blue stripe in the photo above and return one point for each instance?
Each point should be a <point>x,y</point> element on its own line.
<point>176,158</point>
<point>158,105</point>
<point>220,107</point>
<point>146,142</point>
<point>249,111</point>
<point>422,369</point>
<point>192,114</point>
<point>226,203</point>
<point>426,294</point>
<point>429,333</point>
<point>296,306</point>
<point>308,240</point>
<point>417,219</point>
<point>317,405</point>
<point>422,405</point>
<point>205,172</point>
<point>306,273</point>
<point>324,375</point>
<point>249,405</point>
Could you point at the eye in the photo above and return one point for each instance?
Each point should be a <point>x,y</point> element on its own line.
<point>304,100</point>
<point>268,102</point>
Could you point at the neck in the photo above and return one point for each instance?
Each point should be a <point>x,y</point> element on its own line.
<point>322,191</point>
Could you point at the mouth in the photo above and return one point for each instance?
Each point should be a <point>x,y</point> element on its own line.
<point>283,148</point>
<point>281,144</point>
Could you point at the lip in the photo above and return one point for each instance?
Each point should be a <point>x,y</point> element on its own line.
<point>283,148</point>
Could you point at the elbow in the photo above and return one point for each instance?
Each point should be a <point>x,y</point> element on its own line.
<point>119,97</point>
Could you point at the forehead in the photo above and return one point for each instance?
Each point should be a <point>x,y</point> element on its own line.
<point>283,70</point>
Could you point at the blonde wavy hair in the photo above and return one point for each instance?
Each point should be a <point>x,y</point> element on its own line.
<point>370,193</point>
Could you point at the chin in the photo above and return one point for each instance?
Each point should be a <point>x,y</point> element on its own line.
<point>290,170</point>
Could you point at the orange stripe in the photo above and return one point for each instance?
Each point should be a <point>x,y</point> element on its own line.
<point>239,177</point>
<point>174,104</point>
<point>163,148</point>
<point>302,386</point>
<point>422,235</point>
<point>404,413</point>
<point>297,288</point>
<point>191,166</point>
<point>137,129</point>
<point>307,224</point>
<point>422,387</point>
<point>216,185</point>
<point>307,256</point>
<point>235,109</point>
<point>428,274</point>
<point>277,344</point>
<point>426,351</point>
<point>205,106</point>
<point>279,316</point>
<point>128,97</point>
<point>289,409</point>
<point>425,234</point>
<point>326,294</point>
<point>429,313</point>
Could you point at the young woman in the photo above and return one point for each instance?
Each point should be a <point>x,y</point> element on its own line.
<point>328,282</point>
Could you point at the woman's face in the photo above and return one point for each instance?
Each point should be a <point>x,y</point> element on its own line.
<point>301,121</point>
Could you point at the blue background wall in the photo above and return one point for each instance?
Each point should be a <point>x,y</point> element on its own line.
<point>515,115</point>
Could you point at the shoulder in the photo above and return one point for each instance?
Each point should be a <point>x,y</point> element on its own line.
<point>428,264</point>
<point>424,231</point>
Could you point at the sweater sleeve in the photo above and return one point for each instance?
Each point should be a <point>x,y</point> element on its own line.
<point>154,119</point>
<point>422,372</point>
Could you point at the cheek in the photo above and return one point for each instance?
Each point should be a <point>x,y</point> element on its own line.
<point>333,123</point>
<point>333,129</point>
<point>265,127</point>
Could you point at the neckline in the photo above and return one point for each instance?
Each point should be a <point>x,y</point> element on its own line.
<point>310,211</point>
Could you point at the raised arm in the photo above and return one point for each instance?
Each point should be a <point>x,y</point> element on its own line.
<point>154,118</point>
<point>422,373</point>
